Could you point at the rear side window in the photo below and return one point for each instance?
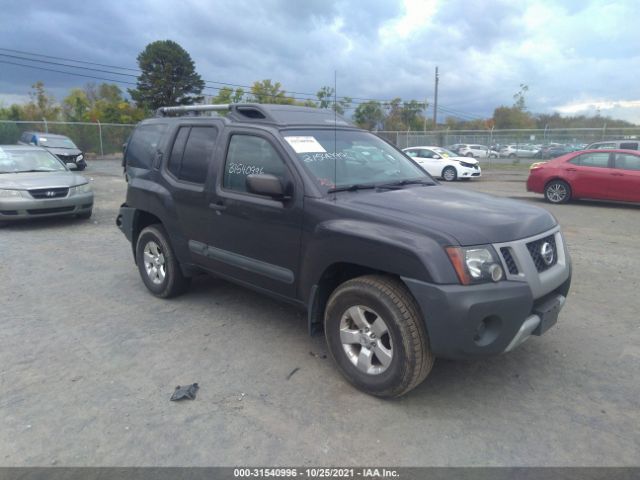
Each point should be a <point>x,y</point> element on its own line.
<point>191,153</point>
<point>629,146</point>
<point>144,143</point>
<point>627,162</point>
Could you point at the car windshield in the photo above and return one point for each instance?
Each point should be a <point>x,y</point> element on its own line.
<point>343,158</point>
<point>443,152</point>
<point>56,142</point>
<point>21,160</point>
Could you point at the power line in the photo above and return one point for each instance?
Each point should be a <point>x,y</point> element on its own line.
<point>291,94</point>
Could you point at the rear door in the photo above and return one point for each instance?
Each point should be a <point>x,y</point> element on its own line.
<point>625,177</point>
<point>589,175</point>
<point>186,171</point>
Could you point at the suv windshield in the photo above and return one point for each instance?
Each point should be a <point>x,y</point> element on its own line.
<point>17,160</point>
<point>56,142</point>
<point>343,158</point>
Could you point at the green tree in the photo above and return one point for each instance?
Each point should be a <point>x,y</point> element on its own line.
<point>369,115</point>
<point>168,77</point>
<point>228,95</point>
<point>266,91</point>
<point>326,99</point>
<point>42,104</point>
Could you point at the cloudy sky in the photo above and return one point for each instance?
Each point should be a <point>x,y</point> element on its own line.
<point>576,56</point>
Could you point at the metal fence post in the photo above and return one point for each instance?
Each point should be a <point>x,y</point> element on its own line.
<point>100,135</point>
<point>46,127</point>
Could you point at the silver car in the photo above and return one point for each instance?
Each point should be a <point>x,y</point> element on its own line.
<point>35,183</point>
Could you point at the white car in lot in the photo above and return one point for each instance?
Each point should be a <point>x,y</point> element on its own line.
<point>442,163</point>
<point>476,151</point>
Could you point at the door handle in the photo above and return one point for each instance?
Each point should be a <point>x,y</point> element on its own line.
<point>218,206</point>
<point>571,169</point>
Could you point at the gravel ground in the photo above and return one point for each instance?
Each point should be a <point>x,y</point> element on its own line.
<point>89,359</point>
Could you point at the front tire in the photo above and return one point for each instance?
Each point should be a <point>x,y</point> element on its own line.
<point>157,263</point>
<point>557,192</point>
<point>85,215</point>
<point>377,337</point>
<point>449,174</point>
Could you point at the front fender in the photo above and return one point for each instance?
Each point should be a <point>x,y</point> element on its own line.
<point>374,246</point>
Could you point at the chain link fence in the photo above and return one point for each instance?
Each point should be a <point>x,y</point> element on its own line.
<point>108,138</point>
<point>564,136</point>
<point>92,138</point>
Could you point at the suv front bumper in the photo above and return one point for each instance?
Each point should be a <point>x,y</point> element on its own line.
<point>465,322</point>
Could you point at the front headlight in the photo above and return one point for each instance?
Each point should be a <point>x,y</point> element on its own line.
<point>10,193</point>
<point>79,157</point>
<point>84,188</point>
<point>476,264</point>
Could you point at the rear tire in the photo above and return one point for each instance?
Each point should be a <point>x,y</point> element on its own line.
<point>449,174</point>
<point>377,337</point>
<point>157,263</point>
<point>557,191</point>
<point>469,155</point>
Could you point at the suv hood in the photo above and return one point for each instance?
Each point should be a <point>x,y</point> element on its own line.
<point>471,218</point>
<point>28,180</point>
<point>63,151</point>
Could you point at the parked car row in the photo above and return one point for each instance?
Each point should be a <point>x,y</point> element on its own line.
<point>472,150</point>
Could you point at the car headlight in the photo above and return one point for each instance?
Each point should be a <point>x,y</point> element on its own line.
<point>84,188</point>
<point>478,264</point>
<point>10,193</point>
<point>79,157</point>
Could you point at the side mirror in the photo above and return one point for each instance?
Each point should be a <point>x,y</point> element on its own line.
<point>269,185</point>
<point>437,157</point>
<point>71,166</point>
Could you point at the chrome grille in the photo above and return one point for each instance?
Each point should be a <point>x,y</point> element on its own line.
<point>43,193</point>
<point>536,254</point>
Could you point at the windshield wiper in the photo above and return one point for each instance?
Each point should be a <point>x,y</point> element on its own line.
<point>351,188</point>
<point>402,183</point>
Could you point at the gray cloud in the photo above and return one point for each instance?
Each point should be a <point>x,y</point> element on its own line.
<point>569,53</point>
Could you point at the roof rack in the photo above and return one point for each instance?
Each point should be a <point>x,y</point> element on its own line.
<point>163,111</point>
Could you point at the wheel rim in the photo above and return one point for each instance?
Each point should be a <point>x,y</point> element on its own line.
<point>556,192</point>
<point>366,340</point>
<point>449,174</point>
<point>154,263</point>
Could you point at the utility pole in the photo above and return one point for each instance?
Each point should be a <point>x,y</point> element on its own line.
<point>435,102</point>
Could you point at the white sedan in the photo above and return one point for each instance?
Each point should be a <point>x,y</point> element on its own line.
<point>441,163</point>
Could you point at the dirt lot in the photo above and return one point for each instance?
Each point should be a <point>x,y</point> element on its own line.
<point>88,360</point>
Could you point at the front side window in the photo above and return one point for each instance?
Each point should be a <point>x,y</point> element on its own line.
<point>343,158</point>
<point>604,145</point>
<point>625,161</point>
<point>250,155</point>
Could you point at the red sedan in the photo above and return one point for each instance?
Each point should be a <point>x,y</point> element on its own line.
<point>595,174</point>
